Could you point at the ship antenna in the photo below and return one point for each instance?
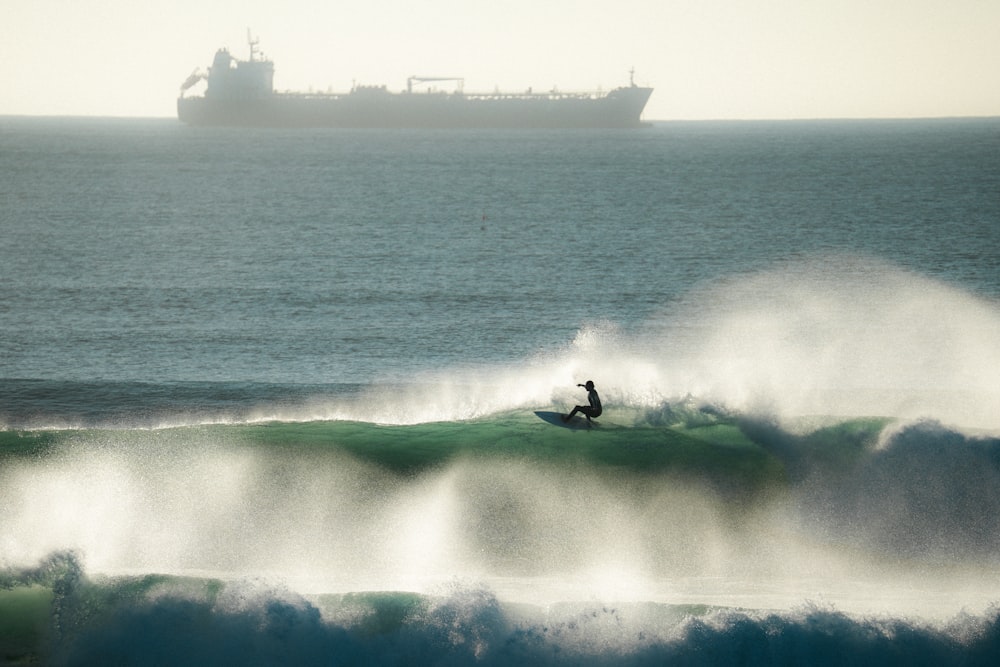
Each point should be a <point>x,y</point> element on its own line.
<point>253,44</point>
<point>631,77</point>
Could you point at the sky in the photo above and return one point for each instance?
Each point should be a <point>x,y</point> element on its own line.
<point>705,59</point>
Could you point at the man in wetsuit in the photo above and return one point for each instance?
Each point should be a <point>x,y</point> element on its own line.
<point>590,411</point>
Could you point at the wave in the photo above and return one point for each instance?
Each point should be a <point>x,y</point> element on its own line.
<point>681,492</point>
<point>66,618</point>
<point>836,336</point>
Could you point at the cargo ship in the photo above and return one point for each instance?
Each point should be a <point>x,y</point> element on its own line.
<point>241,93</point>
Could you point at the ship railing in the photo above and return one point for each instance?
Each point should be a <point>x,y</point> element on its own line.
<point>541,96</point>
<point>550,95</point>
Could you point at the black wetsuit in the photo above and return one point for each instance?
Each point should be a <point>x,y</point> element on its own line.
<point>593,410</point>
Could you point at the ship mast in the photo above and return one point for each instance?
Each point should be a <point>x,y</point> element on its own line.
<point>253,45</point>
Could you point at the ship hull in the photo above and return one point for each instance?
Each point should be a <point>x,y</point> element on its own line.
<point>620,108</point>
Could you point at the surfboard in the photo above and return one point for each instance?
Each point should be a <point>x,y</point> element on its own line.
<point>557,419</point>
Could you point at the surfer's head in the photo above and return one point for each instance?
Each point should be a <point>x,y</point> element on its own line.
<point>589,385</point>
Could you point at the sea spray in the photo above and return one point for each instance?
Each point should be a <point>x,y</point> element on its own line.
<point>833,335</point>
<point>824,336</point>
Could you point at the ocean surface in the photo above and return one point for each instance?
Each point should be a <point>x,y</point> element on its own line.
<point>268,397</point>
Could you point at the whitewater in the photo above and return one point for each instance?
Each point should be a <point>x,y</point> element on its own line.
<point>270,399</point>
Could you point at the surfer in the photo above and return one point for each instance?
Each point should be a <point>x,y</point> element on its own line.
<point>590,411</point>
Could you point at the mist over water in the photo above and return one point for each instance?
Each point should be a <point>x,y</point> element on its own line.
<point>842,336</point>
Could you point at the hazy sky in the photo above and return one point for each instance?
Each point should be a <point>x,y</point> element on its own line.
<point>705,58</point>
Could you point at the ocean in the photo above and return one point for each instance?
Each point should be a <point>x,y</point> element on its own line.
<point>269,397</point>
